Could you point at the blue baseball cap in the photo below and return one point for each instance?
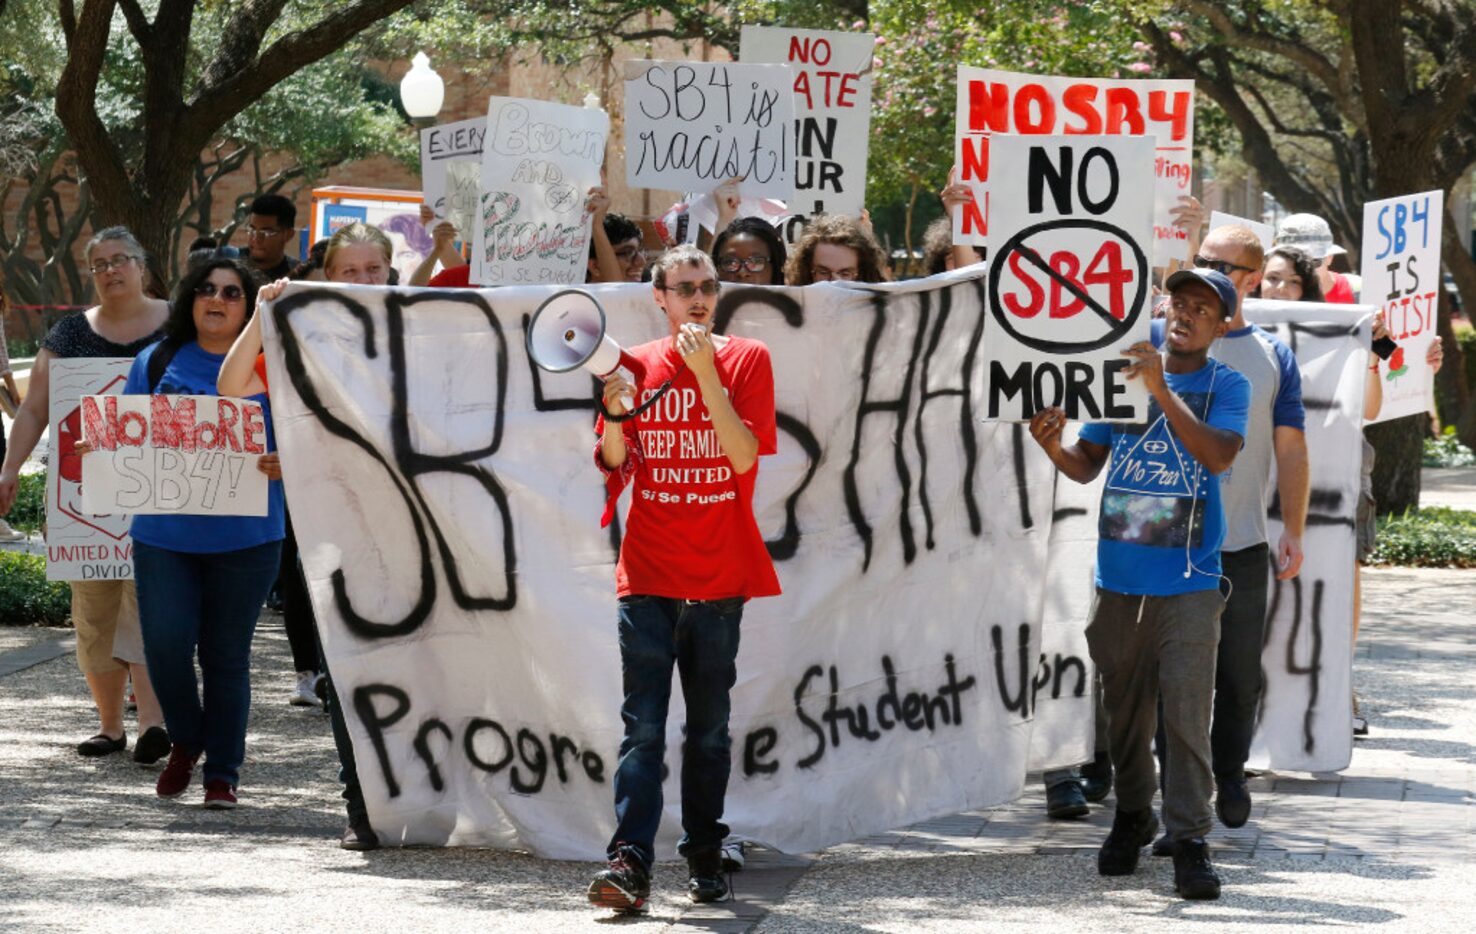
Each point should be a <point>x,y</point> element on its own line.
<point>1218,281</point>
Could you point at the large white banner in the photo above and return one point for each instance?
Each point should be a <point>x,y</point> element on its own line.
<point>1306,714</point>
<point>1401,274</point>
<point>80,545</point>
<point>690,126</point>
<point>1070,275</point>
<point>832,100</point>
<point>990,103</point>
<point>173,455</point>
<point>450,167</point>
<point>539,161</point>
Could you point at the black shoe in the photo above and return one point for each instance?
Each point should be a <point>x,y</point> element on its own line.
<point>705,881</point>
<point>1131,831</point>
<point>1163,846</point>
<point>102,745</point>
<point>1194,876</point>
<point>1065,801</point>
<point>152,746</point>
<point>358,836</point>
<point>1096,778</point>
<point>1233,802</point>
<point>623,885</point>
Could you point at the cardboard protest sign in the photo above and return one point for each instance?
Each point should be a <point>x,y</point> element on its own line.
<point>173,455</point>
<point>79,544</point>
<point>1069,275</point>
<point>450,163</point>
<point>690,126</point>
<point>539,161</point>
<point>1401,273</point>
<point>991,103</point>
<point>1265,232</point>
<point>832,99</point>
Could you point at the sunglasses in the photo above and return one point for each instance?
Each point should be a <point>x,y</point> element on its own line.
<point>708,287</point>
<point>1223,267</point>
<point>752,264</point>
<point>229,293</point>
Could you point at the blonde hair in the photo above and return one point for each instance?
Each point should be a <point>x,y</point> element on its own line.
<point>1244,238</point>
<point>358,232</point>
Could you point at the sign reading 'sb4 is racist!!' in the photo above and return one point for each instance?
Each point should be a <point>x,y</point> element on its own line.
<point>1401,274</point>
<point>173,455</point>
<point>1069,276</point>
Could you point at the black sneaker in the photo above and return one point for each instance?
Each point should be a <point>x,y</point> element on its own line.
<point>1131,831</point>
<point>1064,801</point>
<point>1163,846</point>
<point>705,881</point>
<point>1194,876</point>
<point>1096,778</point>
<point>1233,802</point>
<point>623,885</point>
<point>358,836</point>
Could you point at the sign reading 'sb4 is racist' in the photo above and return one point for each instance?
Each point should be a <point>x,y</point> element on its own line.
<point>1401,274</point>
<point>175,455</point>
<point>1069,275</point>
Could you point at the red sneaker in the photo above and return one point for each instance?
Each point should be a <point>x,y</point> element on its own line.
<point>177,773</point>
<point>220,795</point>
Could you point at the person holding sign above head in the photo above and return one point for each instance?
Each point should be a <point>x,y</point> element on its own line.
<point>104,612</point>
<point>1155,625</point>
<point>443,248</point>
<point>835,247</point>
<point>202,578</point>
<point>691,557</point>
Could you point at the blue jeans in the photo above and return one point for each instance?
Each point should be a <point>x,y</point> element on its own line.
<point>208,602</point>
<point>701,640</point>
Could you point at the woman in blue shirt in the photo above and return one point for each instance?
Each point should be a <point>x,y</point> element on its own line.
<point>202,579</point>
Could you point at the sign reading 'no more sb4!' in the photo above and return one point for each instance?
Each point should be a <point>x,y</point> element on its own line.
<point>1069,275</point>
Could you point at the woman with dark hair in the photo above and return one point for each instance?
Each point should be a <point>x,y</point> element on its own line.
<point>202,579</point>
<point>1289,275</point>
<point>124,321</point>
<point>835,247</point>
<point>750,251</point>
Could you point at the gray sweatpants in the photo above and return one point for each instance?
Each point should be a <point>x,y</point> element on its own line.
<point>1151,647</point>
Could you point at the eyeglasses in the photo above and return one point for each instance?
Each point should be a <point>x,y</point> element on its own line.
<point>1223,267</point>
<point>229,293</point>
<point>628,255</point>
<point>708,287</point>
<point>103,265</point>
<point>262,233</point>
<point>757,263</point>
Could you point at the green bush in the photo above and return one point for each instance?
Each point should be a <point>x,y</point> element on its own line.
<point>1465,337</point>
<point>1447,451</point>
<point>29,512</point>
<point>1438,537</point>
<point>27,597</point>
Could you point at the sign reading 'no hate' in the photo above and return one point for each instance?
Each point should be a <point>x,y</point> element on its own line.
<point>1069,275</point>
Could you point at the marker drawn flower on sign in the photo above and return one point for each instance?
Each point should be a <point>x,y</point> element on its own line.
<point>1397,366</point>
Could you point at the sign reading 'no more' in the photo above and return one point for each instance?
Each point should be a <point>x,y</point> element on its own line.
<point>1069,275</point>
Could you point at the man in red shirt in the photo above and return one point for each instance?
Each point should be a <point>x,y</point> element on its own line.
<point>692,555</point>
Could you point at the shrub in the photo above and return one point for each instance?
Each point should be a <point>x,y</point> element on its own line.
<point>29,512</point>
<point>27,597</point>
<point>1447,451</point>
<point>1438,537</point>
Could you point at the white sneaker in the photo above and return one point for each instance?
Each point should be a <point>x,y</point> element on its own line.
<point>7,534</point>
<point>305,694</point>
<point>732,855</point>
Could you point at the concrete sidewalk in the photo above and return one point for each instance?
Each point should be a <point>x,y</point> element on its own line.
<point>1387,845</point>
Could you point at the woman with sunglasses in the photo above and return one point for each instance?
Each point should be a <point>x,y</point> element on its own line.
<point>105,613</point>
<point>750,252</point>
<point>202,579</point>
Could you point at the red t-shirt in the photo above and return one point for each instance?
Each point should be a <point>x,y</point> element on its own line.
<point>691,533</point>
<point>1342,291</point>
<point>457,277</point>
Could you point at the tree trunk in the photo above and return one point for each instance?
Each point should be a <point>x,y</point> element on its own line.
<point>1400,447</point>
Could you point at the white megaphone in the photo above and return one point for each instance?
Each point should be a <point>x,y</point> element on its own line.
<point>567,332</point>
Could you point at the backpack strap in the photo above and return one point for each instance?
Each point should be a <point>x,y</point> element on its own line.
<point>159,361</point>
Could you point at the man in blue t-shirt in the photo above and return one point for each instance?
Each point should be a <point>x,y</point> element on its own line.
<point>1156,623</point>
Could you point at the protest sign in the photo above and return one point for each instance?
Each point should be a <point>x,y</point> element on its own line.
<point>79,544</point>
<point>1265,232</point>
<point>450,163</point>
<point>1069,275</point>
<point>991,103</point>
<point>1401,274</point>
<point>1306,715</point>
<point>173,455</point>
<point>832,100</point>
<point>690,126</point>
<point>539,161</point>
